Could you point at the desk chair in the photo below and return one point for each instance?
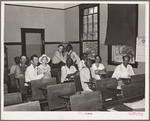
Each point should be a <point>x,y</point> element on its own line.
<point>107,87</point>
<point>23,89</point>
<point>54,102</point>
<point>133,90</point>
<point>13,83</point>
<point>5,89</point>
<point>29,106</point>
<point>12,98</point>
<point>77,82</point>
<point>109,74</point>
<point>36,84</point>
<point>6,77</point>
<point>138,78</point>
<point>91,101</point>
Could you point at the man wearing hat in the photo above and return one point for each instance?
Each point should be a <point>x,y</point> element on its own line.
<point>44,68</point>
<point>123,70</point>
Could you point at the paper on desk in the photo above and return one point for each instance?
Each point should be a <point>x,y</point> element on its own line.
<point>111,110</point>
<point>136,105</point>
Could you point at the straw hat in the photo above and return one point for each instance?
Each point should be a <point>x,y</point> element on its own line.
<point>44,55</point>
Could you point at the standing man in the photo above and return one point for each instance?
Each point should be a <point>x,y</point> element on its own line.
<point>13,67</point>
<point>71,54</point>
<point>21,68</point>
<point>32,71</point>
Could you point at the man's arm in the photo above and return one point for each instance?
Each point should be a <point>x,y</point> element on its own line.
<point>131,71</point>
<point>63,74</point>
<point>83,79</point>
<point>18,72</point>
<point>117,72</point>
<point>77,57</point>
<point>63,59</point>
<point>29,75</point>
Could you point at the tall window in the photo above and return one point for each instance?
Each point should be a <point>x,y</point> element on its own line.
<point>89,29</point>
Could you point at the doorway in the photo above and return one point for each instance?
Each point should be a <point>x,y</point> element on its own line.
<point>32,41</point>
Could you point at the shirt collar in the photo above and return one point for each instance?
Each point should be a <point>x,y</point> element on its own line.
<point>21,64</point>
<point>69,51</point>
<point>124,66</point>
<point>33,66</point>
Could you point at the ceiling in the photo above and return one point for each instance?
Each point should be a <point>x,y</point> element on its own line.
<point>56,4</point>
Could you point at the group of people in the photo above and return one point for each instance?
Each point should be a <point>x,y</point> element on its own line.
<point>70,64</point>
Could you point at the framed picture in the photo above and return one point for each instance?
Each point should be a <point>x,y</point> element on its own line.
<point>91,48</point>
<point>116,52</point>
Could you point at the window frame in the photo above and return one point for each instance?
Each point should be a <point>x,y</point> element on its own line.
<point>81,14</point>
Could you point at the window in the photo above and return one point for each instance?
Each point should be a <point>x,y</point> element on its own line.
<point>89,29</point>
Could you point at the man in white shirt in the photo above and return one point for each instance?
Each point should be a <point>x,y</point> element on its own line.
<point>59,59</point>
<point>31,71</point>
<point>87,74</point>
<point>81,64</point>
<point>123,70</point>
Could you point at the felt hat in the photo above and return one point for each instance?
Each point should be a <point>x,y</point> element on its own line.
<point>44,55</point>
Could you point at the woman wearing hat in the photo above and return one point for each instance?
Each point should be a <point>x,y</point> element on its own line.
<point>44,68</point>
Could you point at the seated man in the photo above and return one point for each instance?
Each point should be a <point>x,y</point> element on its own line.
<point>81,63</point>
<point>31,72</point>
<point>21,68</point>
<point>87,74</point>
<point>13,67</point>
<point>68,71</point>
<point>123,70</point>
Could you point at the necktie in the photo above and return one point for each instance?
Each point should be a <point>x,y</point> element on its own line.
<point>90,73</point>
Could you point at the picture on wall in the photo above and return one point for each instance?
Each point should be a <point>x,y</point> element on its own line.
<point>120,50</point>
<point>91,48</point>
<point>116,52</point>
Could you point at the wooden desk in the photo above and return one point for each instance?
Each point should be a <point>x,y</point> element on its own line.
<point>91,85</point>
<point>66,99</point>
<point>44,90</point>
<point>119,106</point>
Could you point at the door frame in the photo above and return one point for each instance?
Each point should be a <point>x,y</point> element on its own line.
<point>32,30</point>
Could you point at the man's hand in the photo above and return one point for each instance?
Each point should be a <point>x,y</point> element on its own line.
<point>93,80</point>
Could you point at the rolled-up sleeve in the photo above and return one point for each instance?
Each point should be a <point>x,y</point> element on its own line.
<point>63,74</point>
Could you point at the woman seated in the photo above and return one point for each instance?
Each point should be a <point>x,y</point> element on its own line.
<point>98,67</point>
<point>68,71</point>
<point>59,59</point>
<point>44,68</point>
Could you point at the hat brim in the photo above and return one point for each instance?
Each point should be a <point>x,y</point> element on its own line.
<point>48,59</point>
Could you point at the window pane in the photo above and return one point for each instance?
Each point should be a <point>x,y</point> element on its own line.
<point>85,28</point>
<point>95,37</point>
<point>95,26</point>
<point>84,36</point>
<point>95,17</point>
<point>95,9</point>
<point>90,27</point>
<point>90,10</point>
<point>90,19</point>
<point>91,48</point>
<point>90,35</point>
<point>84,19</point>
<point>86,12</point>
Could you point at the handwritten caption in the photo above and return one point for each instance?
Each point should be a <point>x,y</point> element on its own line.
<point>136,113</point>
<point>84,113</point>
